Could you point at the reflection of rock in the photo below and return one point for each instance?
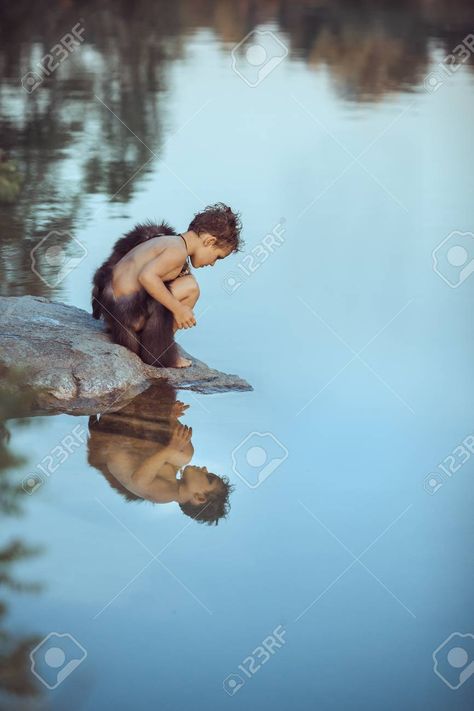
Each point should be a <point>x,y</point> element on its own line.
<point>149,416</point>
<point>69,358</point>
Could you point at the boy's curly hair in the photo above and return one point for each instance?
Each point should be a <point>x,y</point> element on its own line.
<point>216,507</point>
<point>222,223</point>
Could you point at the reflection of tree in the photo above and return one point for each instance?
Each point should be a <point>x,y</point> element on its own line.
<point>15,673</point>
<point>67,145</point>
<point>372,47</point>
<point>10,180</point>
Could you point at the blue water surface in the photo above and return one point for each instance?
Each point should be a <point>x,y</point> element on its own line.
<point>359,347</point>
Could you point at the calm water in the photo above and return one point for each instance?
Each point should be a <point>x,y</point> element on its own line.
<point>356,150</point>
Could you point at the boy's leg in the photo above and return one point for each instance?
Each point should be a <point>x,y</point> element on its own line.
<point>158,347</point>
<point>186,290</point>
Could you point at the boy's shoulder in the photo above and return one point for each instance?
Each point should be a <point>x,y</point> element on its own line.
<point>169,246</point>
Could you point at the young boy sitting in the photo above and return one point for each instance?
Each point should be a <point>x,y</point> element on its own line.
<point>145,290</point>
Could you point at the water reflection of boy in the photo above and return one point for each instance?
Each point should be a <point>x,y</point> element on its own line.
<point>139,470</point>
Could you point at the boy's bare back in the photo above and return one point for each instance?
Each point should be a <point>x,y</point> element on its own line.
<point>163,257</point>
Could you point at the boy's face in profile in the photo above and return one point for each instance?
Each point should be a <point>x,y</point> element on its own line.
<point>208,252</point>
<point>199,482</point>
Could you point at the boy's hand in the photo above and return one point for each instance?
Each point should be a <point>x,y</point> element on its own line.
<point>178,409</point>
<point>180,437</point>
<point>184,316</point>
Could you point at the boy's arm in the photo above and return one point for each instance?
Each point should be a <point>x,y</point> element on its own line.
<point>151,278</point>
<point>155,478</point>
<point>149,469</point>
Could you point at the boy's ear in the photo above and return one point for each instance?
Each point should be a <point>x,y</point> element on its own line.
<point>209,240</point>
<point>200,498</point>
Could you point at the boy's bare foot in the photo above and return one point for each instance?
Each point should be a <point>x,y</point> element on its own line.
<point>183,362</point>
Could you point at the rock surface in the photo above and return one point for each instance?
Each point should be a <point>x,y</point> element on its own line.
<point>66,356</point>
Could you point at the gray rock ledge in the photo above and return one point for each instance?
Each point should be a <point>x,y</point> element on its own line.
<point>68,359</point>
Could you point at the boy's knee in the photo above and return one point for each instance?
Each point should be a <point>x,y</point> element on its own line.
<point>194,289</point>
<point>185,287</point>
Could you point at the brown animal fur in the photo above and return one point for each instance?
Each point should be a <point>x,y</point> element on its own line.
<point>154,343</point>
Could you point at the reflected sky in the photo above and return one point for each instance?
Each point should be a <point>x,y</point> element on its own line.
<point>359,352</point>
